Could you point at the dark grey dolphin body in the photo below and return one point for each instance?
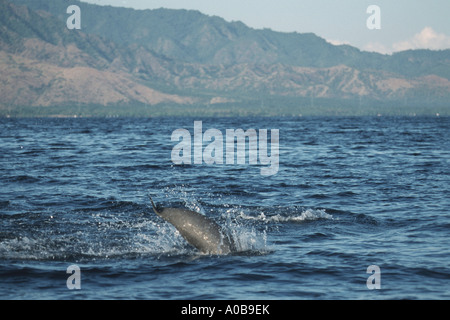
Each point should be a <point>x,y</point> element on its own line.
<point>199,231</point>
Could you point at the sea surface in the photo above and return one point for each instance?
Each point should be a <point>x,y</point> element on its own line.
<point>349,193</point>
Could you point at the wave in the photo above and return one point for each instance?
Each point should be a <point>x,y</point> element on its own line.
<point>4,204</point>
<point>107,228</point>
<point>21,179</point>
<point>305,215</point>
<point>87,247</point>
<point>113,230</point>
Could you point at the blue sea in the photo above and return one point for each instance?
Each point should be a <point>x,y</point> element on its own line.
<point>350,193</point>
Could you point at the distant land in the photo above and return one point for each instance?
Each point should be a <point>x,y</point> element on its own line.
<point>163,62</point>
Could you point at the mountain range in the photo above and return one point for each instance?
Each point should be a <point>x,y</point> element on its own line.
<point>156,62</point>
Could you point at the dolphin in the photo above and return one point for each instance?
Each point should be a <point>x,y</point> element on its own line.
<point>199,231</point>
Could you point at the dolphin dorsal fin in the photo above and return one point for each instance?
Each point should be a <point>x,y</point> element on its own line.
<point>153,205</point>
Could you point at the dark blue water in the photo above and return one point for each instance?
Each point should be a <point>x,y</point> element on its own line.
<point>349,193</point>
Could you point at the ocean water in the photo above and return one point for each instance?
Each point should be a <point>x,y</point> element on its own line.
<point>349,193</point>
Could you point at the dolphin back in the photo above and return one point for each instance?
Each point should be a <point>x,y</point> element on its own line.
<point>200,231</point>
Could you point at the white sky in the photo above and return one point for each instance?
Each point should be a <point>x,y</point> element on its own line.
<point>405,24</point>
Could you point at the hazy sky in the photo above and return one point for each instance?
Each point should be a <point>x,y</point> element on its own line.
<point>405,24</point>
